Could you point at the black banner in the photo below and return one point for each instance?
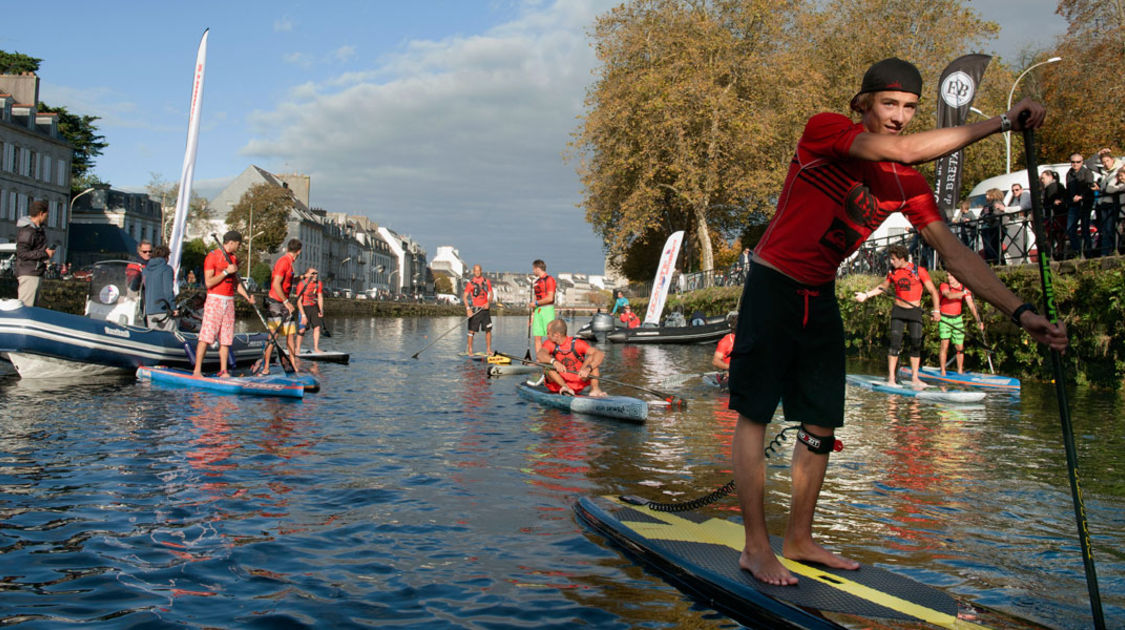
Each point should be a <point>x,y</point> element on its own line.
<point>956,91</point>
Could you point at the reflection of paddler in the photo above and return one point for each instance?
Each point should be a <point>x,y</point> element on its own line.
<point>543,304</point>
<point>575,362</point>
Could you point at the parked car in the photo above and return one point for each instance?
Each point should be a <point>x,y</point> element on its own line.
<point>85,273</point>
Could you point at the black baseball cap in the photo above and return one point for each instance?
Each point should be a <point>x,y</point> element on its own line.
<point>892,74</point>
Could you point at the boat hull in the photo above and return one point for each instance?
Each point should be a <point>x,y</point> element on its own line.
<point>620,407</point>
<point>707,333</point>
<point>41,343</point>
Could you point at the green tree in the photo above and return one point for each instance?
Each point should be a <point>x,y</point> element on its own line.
<point>271,206</point>
<point>192,257</point>
<point>17,63</point>
<point>82,134</point>
<point>166,192</point>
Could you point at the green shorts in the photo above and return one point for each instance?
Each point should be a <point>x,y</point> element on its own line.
<point>952,327</point>
<point>543,315</point>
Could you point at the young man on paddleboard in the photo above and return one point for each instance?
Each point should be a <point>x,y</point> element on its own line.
<point>478,297</point>
<point>907,280</point>
<point>220,278</point>
<point>311,306</point>
<point>575,362</point>
<point>543,302</point>
<point>282,318</point>
<point>951,328</point>
<point>843,181</point>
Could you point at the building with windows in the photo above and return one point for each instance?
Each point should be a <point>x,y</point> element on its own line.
<point>410,276</point>
<point>34,161</point>
<point>135,214</point>
<point>447,262</point>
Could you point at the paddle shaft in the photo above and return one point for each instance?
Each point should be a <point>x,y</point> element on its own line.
<point>439,337</point>
<point>1052,313</point>
<point>668,397</point>
<point>530,318</point>
<point>257,311</point>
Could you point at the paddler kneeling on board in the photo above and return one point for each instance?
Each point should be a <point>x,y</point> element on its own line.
<point>575,362</point>
<point>844,180</point>
<point>721,358</point>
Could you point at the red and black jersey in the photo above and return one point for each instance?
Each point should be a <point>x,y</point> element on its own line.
<point>544,287</point>
<point>477,291</point>
<point>907,281</point>
<point>832,202</point>
<point>309,291</point>
<point>952,307</point>
<point>572,354</point>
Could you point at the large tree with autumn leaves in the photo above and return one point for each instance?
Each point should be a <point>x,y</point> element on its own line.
<point>698,104</point>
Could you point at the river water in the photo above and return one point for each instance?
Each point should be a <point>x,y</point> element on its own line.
<point>419,493</point>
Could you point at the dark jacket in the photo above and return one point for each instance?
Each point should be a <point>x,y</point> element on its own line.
<point>158,280</point>
<point>1055,192</point>
<point>31,248</point>
<point>1080,183</point>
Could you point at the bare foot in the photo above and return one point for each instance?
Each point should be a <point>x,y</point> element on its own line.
<point>809,551</point>
<point>597,393</point>
<point>917,384</point>
<point>892,382</point>
<point>765,567</point>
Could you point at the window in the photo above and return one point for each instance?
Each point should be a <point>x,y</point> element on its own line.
<point>52,212</point>
<point>21,200</point>
<point>33,162</point>
<point>24,167</point>
<point>4,206</point>
<point>60,173</point>
<point>9,156</point>
<point>45,175</point>
<point>12,204</point>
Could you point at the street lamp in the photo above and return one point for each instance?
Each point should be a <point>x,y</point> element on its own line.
<point>1008,134</point>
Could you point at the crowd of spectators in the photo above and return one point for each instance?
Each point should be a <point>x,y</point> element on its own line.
<point>1082,210</point>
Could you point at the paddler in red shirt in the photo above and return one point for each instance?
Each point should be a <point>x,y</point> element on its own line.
<point>629,318</point>
<point>952,324</point>
<point>844,179</point>
<point>721,358</point>
<point>574,362</point>
<point>281,316</point>
<point>220,278</point>
<point>478,297</point>
<point>908,280</point>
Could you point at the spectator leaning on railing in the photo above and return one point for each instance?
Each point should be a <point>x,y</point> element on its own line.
<point>1106,207</point>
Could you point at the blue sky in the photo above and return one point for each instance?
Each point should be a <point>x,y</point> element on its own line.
<point>443,119</point>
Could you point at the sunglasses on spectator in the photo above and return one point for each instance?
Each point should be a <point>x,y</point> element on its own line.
<point>146,251</point>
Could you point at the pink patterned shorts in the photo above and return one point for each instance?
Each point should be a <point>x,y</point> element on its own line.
<point>218,320</point>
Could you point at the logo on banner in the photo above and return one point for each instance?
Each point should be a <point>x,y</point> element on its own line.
<point>958,89</point>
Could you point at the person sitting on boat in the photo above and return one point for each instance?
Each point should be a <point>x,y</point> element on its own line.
<point>478,297</point>
<point>844,180</point>
<point>282,314</point>
<point>134,271</point>
<point>221,280</point>
<point>908,281</point>
<point>160,295</point>
<point>952,325</point>
<point>311,307</point>
<point>574,362</point>
<point>721,358</point>
<point>543,303</point>
<point>629,318</point>
<point>621,302</point>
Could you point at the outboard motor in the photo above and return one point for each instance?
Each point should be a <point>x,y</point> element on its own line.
<point>602,324</point>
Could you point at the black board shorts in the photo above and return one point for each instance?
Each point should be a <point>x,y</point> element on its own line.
<point>480,320</point>
<point>312,315</point>
<point>788,349</point>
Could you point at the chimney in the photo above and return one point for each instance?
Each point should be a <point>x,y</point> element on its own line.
<point>24,87</point>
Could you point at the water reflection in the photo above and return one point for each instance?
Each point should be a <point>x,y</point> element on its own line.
<point>418,492</point>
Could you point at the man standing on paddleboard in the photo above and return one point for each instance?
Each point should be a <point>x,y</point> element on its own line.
<point>542,303</point>
<point>905,281</point>
<point>478,297</point>
<point>282,320</point>
<point>844,180</point>
<point>220,278</point>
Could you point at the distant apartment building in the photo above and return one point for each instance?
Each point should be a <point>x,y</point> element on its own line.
<point>135,214</point>
<point>411,276</point>
<point>447,262</point>
<point>34,161</point>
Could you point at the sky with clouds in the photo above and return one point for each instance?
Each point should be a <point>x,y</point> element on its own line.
<point>447,120</point>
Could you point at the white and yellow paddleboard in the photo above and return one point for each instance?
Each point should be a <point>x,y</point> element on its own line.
<point>699,555</point>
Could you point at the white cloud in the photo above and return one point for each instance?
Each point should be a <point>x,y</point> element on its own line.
<point>344,53</point>
<point>282,25</point>
<point>457,141</point>
<point>297,59</point>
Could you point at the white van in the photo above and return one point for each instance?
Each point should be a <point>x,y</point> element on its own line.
<point>1004,182</point>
